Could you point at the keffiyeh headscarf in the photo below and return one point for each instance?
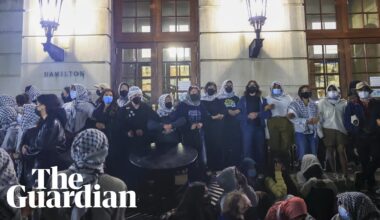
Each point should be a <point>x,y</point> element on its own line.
<point>134,90</point>
<point>89,151</point>
<point>162,109</point>
<point>29,118</point>
<point>7,100</point>
<point>82,94</point>
<point>303,111</point>
<point>8,115</point>
<point>122,101</point>
<point>33,93</point>
<point>357,204</point>
<point>7,174</point>
<point>188,99</point>
<point>78,104</point>
<point>222,92</point>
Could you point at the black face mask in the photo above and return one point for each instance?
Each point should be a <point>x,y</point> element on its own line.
<point>124,93</point>
<point>136,100</point>
<point>194,97</point>
<point>228,89</point>
<point>169,105</point>
<point>210,92</point>
<point>252,89</point>
<point>305,95</point>
<point>98,93</point>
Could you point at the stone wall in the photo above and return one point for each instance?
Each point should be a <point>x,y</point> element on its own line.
<point>225,35</point>
<point>85,35</point>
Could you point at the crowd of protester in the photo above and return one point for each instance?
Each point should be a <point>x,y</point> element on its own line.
<point>246,142</point>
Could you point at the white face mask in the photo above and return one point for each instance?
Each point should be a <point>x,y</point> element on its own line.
<point>363,94</point>
<point>333,94</point>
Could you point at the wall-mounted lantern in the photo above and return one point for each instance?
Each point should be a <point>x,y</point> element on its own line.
<point>50,13</point>
<point>257,10</point>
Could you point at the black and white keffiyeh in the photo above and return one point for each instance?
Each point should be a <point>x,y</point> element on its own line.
<point>303,111</point>
<point>89,151</point>
<point>7,174</point>
<point>7,100</point>
<point>357,204</point>
<point>223,94</point>
<point>29,118</point>
<point>33,93</point>
<point>162,110</point>
<point>8,115</point>
<point>80,103</point>
<point>133,91</point>
<point>82,94</point>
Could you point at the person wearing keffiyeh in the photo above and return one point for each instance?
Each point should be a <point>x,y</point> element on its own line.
<point>356,206</point>
<point>33,92</point>
<point>303,113</point>
<point>8,117</point>
<point>78,111</point>
<point>7,100</point>
<point>165,105</point>
<point>89,151</point>
<point>165,127</point>
<point>7,179</point>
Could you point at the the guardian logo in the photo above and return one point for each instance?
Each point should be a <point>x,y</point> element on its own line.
<point>68,194</point>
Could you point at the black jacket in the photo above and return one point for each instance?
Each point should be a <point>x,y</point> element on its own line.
<point>48,145</point>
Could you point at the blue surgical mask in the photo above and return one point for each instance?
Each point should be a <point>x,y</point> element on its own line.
<point>363,94</point>
<point>252,173</point>
<point>343,213</point>
<point>73,94</point>
<point>107,99</point>
<point>276,91</point>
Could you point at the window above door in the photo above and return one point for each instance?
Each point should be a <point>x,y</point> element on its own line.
<point>155,20</point>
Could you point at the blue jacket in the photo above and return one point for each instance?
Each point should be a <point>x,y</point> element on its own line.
<point>243,115</point>
<point>351,110</point>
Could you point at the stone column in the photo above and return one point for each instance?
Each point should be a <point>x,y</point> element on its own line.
<point>10,45</point>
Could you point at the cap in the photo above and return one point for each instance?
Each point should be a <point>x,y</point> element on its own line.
<point>102,86</point>
<point>361,85</point>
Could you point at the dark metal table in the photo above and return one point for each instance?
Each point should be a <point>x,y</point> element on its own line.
<point>157,170</point>
<point>160,158</point>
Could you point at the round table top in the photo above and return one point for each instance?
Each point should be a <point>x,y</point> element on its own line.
<point>164,158</point>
